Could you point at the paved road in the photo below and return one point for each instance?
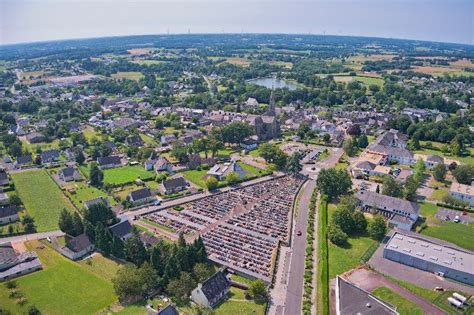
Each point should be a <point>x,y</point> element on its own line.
<point>294,295</point>
<point>28,237</point>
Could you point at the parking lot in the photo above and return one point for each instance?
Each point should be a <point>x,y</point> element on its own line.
<point>450,215</point>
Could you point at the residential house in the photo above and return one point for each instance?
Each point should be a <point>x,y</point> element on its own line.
<point>35,137</point>
<point>212,291</point>
<point>220,171</point>
<point>122,230</point>
<point>399,212</point>
<point>134,141</point>
<point>49,156</point>
<point>4,200</point>
<point>141,196</point>
<point>77,247</point>
<point>167,139</point>
<point>3,179</point>
<point>13,264</point>
<point>70,174</point>
<point>111,161</point>
<point>162,165</point>
<point>96,201</point>
<point>393,145</point>
<point>167,310</point>
<point>24,160</point>
<point>462,192</point>
<point>8,214</point>
<point>174,185</point>
<point>433,160</point>
<point>249,144</point>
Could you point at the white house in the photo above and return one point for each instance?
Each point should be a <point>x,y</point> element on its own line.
<point>212,291</point>
<point>220,171</point>
<point>462,192</point>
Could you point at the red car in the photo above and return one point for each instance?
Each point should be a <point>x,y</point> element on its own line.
<point>298,233</point>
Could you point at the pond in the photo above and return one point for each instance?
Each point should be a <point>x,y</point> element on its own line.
<point>276,83</point>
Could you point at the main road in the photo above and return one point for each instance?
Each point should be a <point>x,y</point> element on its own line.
<point>294,294</point>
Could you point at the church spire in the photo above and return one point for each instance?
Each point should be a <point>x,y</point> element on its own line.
<point>271,105</point>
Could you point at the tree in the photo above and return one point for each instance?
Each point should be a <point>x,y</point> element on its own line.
<point>411,186</point>
<point>333,183</point>
<point>390,187</point>
<point>232,178</point>
<point>77,226</point>
<point>117,247</point>
<point>66,222</point>
<point>128,284</point>
<point>236,132</point>
<point>258,290</point>
<point>363,141</point>
<point>463,173</point>
<point>354,130</point>
<point>349,148</point>
<point>79,155</point>
<point>99,212</point>
<point>326,137</point>
<point>271,153</point>
<point>32,310</point>
<point>360,222</point>
<point>28,224</point>
<point>179,151</point>
<point>212,183</point>
<point>96,176</point>
<point>336,235</point>
<point>135,251</point>
<point>294,164</point>
<point>377,227</point>
<point>343,218</point>
<point>180,288</point>
<point>439,172</point>
<point>202,271</point>
<point>15,200</point>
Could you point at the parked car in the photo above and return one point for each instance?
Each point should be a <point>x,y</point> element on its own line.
<point>457,219</point>
<point>298,233</point>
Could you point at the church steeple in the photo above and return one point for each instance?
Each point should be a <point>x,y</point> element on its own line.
<point>271,105</point>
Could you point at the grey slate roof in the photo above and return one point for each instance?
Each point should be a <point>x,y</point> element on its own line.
<point>7,254</point>
<point>96,201</point>
<point>49,156</point>
<point>140,194</point>
<point>79,243</point>
<point>8,211</point>
<point>106,160</point>
<point>121,229</point>
<point>355,300</point>
<point>380,201</point>
<point>215,286</point>
<point>25,159</point>
<point>172,183</point>
<point>68,171</point>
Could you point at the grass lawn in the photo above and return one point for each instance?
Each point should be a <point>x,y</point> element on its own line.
<point>252,170</point>
<point>344,258</point>
<point>439,194</point>
<point>404,306</point>
<point>235,305</point>
<point>42,198</point>
<point>31,147</point>
<point>456,233</point>
<point>126,174</point>
<point>147,139</point>
<point>62,285</point>
<point>123,191</point>
<point>139,308</point>
<point>101,266</point>
<point>196,177</point>
<point>85,193</point>
<point>128,75</point>
<point>89,133</point>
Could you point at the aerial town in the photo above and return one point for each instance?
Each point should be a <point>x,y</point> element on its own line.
<point>237,174</point>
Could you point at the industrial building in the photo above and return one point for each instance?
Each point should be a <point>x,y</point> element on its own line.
<point>426,254</point>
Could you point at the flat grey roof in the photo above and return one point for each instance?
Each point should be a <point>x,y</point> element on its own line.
<point>430,251</point>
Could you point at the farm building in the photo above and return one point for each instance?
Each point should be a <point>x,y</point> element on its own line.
<point>350,299</point>
<point>431,255</point>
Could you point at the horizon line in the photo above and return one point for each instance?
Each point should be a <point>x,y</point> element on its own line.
<point>230,33</point>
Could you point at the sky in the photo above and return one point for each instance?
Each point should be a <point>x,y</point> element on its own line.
<point>41,20</point>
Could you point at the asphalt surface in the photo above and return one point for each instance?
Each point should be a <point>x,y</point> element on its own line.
<point>294,295</point>
<point>28,237</point>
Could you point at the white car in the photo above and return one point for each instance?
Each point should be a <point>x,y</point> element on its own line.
<point>457,219</point>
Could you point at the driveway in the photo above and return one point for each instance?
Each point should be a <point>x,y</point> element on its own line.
<point>29,237</point>
<point>369,280</point>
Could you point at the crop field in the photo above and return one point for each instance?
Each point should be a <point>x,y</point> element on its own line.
<point>148,62</point>
<point>128,75</point>
<point>441,70</point>
<point>364,79</point>
<point>141,51</point>
<point>126,174</point>
<point>42,198</point>
<point>62,285</point>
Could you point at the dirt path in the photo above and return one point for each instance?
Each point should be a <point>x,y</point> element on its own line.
<point>370,280</point>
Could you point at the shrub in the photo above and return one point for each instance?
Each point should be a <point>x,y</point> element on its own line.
<point>336,235</point>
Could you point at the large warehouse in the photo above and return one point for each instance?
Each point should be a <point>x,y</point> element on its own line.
<point>429,255</point>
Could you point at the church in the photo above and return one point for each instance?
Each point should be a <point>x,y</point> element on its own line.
<point>266,126</point>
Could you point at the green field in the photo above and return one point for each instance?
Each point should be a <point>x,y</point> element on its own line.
<point>42,198</point>
<point>344,258</point>
<point>128,75</point>
<point>404,306</point>
<point>62,287</point>
<point>126,174</point>
<point>456,233</point>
